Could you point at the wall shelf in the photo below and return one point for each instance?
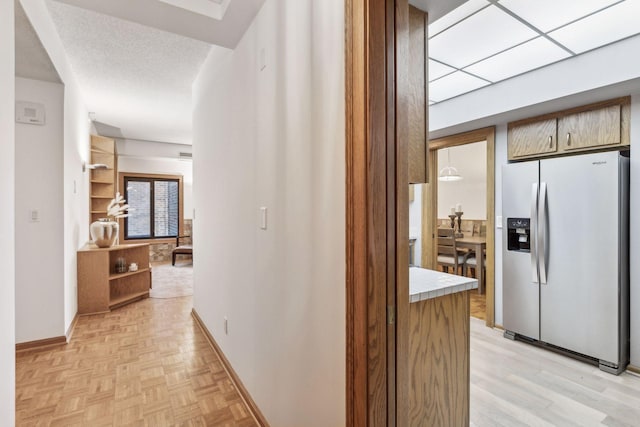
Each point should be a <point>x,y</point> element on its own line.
<point>128,273</point>
<point>102,181</point>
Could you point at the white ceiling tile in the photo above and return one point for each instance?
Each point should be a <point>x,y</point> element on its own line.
<point>547,15</point>
<point>610,25</point>
<point>456,15</point>
<point>486,33</point>
<point>452,85</point>
<point>520,59</point>
<point>437,70</point>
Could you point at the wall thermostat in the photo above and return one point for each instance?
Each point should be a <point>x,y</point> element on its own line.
<point>30,112</point>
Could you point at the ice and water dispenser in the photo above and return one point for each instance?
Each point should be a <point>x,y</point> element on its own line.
<point>518,234</point>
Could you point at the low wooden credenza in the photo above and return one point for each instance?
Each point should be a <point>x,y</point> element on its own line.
<point>101,288</point>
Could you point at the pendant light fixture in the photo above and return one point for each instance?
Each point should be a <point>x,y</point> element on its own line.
<point>449,173</point>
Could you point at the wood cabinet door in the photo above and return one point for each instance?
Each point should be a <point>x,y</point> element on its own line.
<point>591,128</point>
<point>417,96</point>
<point>532,139</point>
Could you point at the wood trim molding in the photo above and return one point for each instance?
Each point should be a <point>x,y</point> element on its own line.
<point>49,342</point>
<point>244,393</point>
<point>40,344</point>
<point>623,101</point>
<point>72,327</point>
<point>376,197</point>
<point>634,369</point>
<point>430,203</point>
<point>180,179</point>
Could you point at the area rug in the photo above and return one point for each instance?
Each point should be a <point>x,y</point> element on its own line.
<point>170,281</point>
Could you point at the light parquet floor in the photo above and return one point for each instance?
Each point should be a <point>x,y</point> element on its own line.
<point>147,363</point>
<point>517,384</point>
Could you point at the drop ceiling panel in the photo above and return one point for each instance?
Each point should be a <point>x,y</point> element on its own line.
<point>520,59</point>
<point>453,85</point>
<point>610,25</point>
<point>547,15</point>
<point>456,15</point>
<point>488,32</point>
<point>437,70</point>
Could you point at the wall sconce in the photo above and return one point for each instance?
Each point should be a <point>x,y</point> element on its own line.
<point>86,166</point>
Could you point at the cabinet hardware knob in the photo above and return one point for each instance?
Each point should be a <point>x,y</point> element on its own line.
<point>568,139</point>
<point>550,141</point>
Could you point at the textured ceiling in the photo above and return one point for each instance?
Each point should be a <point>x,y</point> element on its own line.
<point>135,78</point>
<point>225,31</point>
<point>32,60</point>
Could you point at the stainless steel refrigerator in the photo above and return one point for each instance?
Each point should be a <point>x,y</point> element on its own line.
<point>565,257</point>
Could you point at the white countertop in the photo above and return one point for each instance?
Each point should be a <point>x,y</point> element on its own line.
<point>426,284</point>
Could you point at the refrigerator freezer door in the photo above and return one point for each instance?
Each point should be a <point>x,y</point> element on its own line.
<point>520,290</point>
<point>579,302</point>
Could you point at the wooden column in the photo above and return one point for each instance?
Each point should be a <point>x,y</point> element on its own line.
<point>377,212</point>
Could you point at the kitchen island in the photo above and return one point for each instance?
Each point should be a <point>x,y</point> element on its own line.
<point>438,348</point>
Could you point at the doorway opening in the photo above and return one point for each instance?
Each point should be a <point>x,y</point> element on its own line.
<point>475,227</point>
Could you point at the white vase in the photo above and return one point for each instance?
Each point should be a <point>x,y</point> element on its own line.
<point>104,232</point>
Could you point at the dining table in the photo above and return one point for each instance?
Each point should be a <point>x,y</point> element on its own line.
<point>477,244</point>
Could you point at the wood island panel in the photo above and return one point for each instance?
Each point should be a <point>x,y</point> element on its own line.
<point>439,361</point>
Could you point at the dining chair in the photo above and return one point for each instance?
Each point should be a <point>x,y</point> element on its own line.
<point>182,249</point>
<point>470,263</point>
<point>448,255</point>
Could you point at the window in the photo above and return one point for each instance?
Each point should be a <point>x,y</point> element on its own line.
<point>155,206</point>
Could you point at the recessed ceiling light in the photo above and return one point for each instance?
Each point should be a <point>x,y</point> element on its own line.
<point>484,34</point>
<point>547,15</point>
<point>453,85</point>
<point>520,59</point>
<point>437,70</point>
<point>456,15</point>
<point>610,25</point>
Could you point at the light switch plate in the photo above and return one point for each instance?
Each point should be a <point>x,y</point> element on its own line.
<point>263,218</point>
<point>499,221</point>
<point>34,215</point>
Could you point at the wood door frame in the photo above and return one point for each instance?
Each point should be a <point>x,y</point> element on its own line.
<point>377,230</point>
<point>430,206</point>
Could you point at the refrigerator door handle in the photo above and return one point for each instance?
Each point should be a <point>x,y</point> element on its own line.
<point>543,246</point>
<point>534,232</point>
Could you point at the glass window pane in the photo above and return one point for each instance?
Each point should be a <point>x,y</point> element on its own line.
<point>165,208</point>
<point>138,197</point>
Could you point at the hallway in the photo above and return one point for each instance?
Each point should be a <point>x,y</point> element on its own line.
<point>147,363</point>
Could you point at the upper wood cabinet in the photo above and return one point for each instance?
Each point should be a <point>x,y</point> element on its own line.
<point>533,138</point>
<point>417,97</point>
<point>600,126</point>
<point>592,128</point>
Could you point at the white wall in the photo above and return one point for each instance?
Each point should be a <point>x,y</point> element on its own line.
<point>76,151</point>
<point>39,171</point>
<point>158,158</point>
<point>471,191</point>
<point>500,160</point>
<point>275,138</point>
<point>150,149</point>
<point>7,233</point>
